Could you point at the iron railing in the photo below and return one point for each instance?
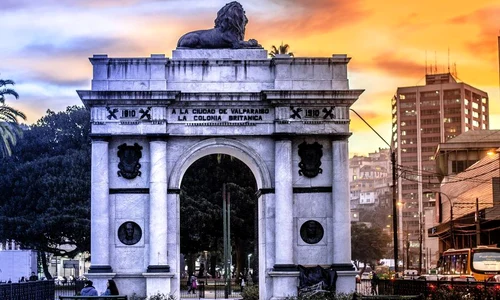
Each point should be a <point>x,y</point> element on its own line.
<point>428,288</point>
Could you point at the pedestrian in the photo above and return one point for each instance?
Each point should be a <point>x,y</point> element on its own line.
<point>242,284</point>
<point>194,284</point>
<point>33,277</point>
<point>112,289</point>
<point>374,283</point>
<point>89,289</point>
<point>190,282</point>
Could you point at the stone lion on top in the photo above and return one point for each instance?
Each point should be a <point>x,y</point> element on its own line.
<point>228,32</point>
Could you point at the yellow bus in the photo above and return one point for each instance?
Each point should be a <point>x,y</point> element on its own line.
<point>482,262</point>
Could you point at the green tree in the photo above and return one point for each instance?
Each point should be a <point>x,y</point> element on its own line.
<point>368,245</point>
<point>282,49</point>
<point>45,204</point>
<point>9,126</point>
<point>201,209</point>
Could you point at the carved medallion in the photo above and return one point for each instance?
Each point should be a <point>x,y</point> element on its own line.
<point>310,155</point>
<point>129,161</point>
<point>129,233</point>
<point>311,232</point>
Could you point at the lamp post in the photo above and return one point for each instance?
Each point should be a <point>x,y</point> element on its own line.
<point>394,186</point>
<point>452,234</point>
<point>248,266</point>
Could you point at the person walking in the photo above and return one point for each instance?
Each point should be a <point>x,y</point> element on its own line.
<point>194,284</point>
<point>374,283</point>
<point>89,289</point>
<point>33,277</point>
<point>190,283</point>
<point>112,289</point>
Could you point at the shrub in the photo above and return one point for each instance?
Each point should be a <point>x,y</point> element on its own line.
<point>250,293</point>
<point>160,296</point>
<point>325,296</point>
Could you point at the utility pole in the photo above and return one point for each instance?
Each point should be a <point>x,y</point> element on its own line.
<point>478,224</point>
<point>420,237</point>
<point>226,220</point>
<point>452,231</point>
<point>394,189</point>
<point>394,209</point>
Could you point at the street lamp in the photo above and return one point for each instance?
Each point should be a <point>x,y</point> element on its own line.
<point>394,186</point>
<point>248,267</point>
<point>452,235</point>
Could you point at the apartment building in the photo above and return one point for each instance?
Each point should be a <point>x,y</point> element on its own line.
<point>422,117</point>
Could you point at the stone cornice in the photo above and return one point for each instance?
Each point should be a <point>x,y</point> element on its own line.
<point>101,98</point>
<point>220,96</point>
<point>312,97</point>
<point>335,59</point>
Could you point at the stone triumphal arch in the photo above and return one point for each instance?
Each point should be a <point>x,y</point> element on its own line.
<point>286,118</point>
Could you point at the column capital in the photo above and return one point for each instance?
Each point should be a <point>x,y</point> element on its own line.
<point>158,137</point>
<point>100,269</point>
<point>283,136</point>
<point>98,137</point>
<point>158,269</point>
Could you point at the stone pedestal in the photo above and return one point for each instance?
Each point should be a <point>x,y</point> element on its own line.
<point>100,280</point>
<point>285,284</point>
<point>346,281</point>
<point>160,283</point>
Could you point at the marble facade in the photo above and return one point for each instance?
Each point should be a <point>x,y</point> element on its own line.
<point>235,102</point>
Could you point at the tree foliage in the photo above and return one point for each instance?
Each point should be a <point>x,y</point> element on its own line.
<point>368,245</point>
<point>45,188</point>
<point>282,49</point>
<point>201,206</point>
<point>9,125</point>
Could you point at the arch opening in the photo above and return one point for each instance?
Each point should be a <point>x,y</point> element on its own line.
<point>202,225</point>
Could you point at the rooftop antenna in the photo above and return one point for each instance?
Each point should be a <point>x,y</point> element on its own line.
<point>435,62</point>
<point>448,59</point>
<point>425,62</point>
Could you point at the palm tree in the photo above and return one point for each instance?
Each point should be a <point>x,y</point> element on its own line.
<point>283,49</point>
<point>9,126</point>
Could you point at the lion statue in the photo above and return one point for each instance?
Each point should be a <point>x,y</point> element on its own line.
<point>228,32</point>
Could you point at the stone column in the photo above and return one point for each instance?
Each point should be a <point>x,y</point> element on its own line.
<point>158,208</point>
<point>284,274</point>
<point>341,217</point>
<point>99,231</point>
<point>284,204</point>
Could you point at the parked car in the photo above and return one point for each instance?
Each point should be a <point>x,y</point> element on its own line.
<point>467,278</point>
<point>429,277</point>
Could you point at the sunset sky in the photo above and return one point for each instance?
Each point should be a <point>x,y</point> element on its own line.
<point>46,45</point>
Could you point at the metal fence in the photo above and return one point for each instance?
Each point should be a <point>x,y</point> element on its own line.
<point>33,290</point>
<point>211,289</point>
<point>428,288</point>
<point>39,290</point>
